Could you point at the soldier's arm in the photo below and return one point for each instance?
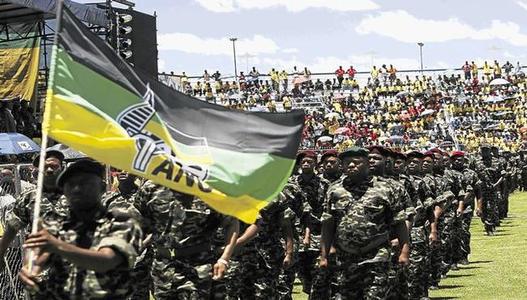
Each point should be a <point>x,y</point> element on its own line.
<point>402,235</point>
<point>233,230</point>
<point>287,228</point>
<point>102,260</point>
<point>230,244</point>
<point>327,238</point>
<point>247,235</point>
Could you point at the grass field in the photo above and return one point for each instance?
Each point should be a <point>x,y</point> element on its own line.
<point>498,268</point>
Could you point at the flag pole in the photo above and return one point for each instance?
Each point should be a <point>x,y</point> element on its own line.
<point>43,146</point>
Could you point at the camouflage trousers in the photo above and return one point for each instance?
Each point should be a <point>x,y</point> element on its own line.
<point>435,258</point>
<point>307,269</point>
<point>397,277</point>
<point>182,279</point>
<point>254,275</point>
<point>464,236</point>
<point>419,260</point>
<point>503,205</point>
<point>450,241</point>
<point>489,213</point>
<point>324,281</point>
<point>141,276</point>
<point>361,278</point>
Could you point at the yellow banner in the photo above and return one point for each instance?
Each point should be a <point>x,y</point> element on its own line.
<point>19,62</point>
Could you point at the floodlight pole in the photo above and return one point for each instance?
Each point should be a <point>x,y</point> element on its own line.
<point>233,40</point>
<point>421,54</point>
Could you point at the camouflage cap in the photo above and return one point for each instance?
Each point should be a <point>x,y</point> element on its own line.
<point>81,166</point>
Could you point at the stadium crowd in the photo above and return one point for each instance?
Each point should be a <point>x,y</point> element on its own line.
<point>379,204</point>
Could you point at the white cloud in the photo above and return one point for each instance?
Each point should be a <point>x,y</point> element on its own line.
<point>222,6</point>
<point>290,50</point>
<point>404,27</point>
<point>161,65</point>
<point>522,4</point>
<point>190,43</point>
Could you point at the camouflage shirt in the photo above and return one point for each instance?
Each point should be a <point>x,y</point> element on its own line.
<point>363,214</point>
<point>314,191</point>
<point>116,231</point>
<point>471,185</point>
<point>178,222</point>
<point>424,200</point>
<point>21,214</point>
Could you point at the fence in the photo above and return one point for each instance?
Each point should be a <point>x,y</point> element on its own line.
<point>10,189</point>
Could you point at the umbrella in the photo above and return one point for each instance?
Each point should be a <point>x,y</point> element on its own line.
<point>499,81</point>
<point>332,115</point>
<point>401,94</point>
<point>427,112</point>
<point>69,154</point>
<point>324,139</point>
<point>342,130</point>
<point>493,99</point>
<point>16,143</point>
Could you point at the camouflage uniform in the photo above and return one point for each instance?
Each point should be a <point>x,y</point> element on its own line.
<point>298,210</point>
<point>255,270</point>
<point>314,192</point>
<point>451,233</point>
<point>472,186</point>
<point>419,251</point>
<point>141,272</point>
<point>397,275</point>
<point>108,229</point>
<point>183,228</point>
<point>21,214</point>
<point>363,216</point>
<point>439,187</point>
<point>488,176</point>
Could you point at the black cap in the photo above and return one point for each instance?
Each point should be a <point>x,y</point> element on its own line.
<point>49,153</point>
<point>84,166</point>
<point>354,151</point>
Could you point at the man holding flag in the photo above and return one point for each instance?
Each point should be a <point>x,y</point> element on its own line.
<point>236,162</point>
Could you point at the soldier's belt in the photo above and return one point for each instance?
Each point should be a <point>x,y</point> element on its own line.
<point>175,253</point>
<point>376,243</point>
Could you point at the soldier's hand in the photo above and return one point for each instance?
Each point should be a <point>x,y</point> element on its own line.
<point>219,270</point>
<point>288,261</point>
<point>305,241</point>
<point>404,260</point>
<point>479,213</point>
<point>323,262</point>
<point>28,279</point>
<point>42,239</point>
<point>459,212</point>
<point>433,238</point>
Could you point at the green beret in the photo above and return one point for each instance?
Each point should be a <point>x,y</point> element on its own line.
<point>354,151</point>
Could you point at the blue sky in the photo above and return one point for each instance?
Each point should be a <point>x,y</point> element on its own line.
<point>193,35</point>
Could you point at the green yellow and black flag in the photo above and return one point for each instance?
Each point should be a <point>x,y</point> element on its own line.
<point>235,161</point>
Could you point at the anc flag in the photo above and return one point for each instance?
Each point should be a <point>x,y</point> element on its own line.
<point>235,161</point>
<point>19,61</point>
